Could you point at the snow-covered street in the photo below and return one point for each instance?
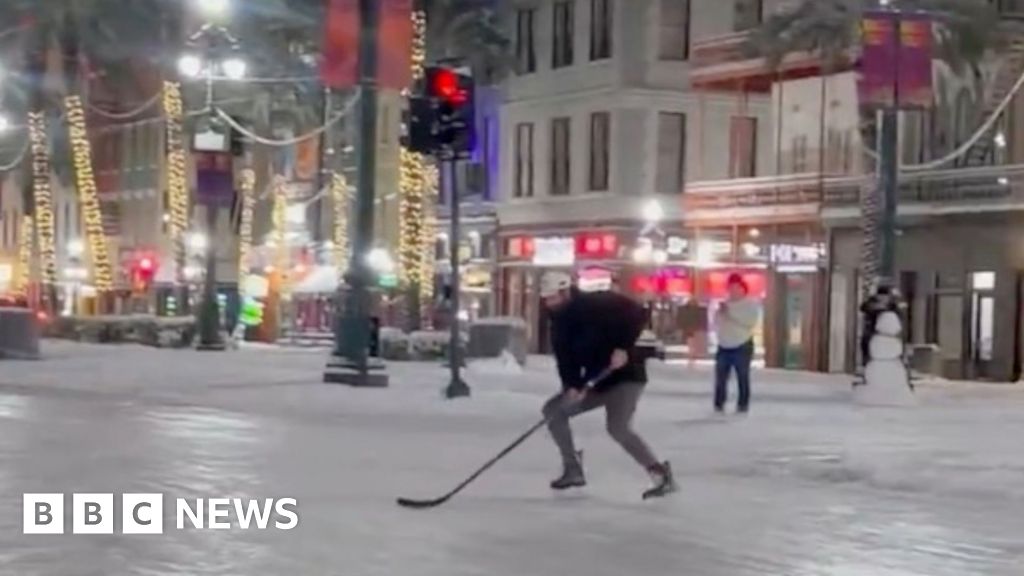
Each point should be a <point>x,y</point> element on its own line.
<point>810,484</point>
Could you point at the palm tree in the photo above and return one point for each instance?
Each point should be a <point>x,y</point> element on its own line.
<point>829,29</point>
<point>469,31</point>
<point>57,37</point>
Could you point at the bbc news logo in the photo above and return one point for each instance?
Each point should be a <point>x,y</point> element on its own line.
<point>144,513</point>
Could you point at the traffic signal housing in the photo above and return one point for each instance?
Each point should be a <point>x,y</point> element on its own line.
<point>452,90</point>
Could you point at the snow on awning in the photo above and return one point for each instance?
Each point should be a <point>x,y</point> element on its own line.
<point>321,280</point>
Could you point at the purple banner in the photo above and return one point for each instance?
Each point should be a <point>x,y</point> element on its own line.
<point>878,59</point>
<point>215,179</point>
<point>915,61</point>
<point>896,66</point>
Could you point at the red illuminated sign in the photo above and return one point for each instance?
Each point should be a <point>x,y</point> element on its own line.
<point>593,246</point>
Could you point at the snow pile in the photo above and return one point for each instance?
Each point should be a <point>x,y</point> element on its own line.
<point>504,364</point>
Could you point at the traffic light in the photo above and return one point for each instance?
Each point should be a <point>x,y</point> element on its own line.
<point>144,270</point>
<point>440,120</point>
<point>420,126</point>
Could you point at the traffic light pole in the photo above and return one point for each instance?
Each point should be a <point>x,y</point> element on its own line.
<point>457,387</point>
<point>349,362</point>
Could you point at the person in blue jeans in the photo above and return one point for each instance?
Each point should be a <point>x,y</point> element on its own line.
<point>735,321</point>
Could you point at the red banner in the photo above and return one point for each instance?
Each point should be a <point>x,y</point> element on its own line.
<point>339,65</point>
<point>394,47</point>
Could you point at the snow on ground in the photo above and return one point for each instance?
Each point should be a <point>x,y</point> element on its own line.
<point>810,484</point>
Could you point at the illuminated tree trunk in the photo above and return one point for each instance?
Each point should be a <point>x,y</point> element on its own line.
<point>42,205</point>
<point>248,189</point>
<point>340,198</point>
<point>177,187</point>
<point>88,196</point>
<point>24,278</point>
<point>415,184</point>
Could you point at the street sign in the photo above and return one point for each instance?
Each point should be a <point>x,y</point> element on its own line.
<point>215,179</point>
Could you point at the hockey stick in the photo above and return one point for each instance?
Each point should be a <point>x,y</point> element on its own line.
<point>413,503</point>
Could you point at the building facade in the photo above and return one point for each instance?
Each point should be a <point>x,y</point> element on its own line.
<point>956,257</point>
<point>601,122</point>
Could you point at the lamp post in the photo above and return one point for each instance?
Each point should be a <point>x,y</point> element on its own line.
<point>215,57</point>
<point>349,362</point>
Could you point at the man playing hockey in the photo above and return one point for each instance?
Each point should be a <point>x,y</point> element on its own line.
<point>592,333</point>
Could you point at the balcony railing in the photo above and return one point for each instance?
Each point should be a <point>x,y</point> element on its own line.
<point>720,49</point>
<point>990,188</point>
<point>726,60</point>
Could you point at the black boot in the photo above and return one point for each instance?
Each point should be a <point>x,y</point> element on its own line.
<point>572,475</point>
<point>664,482</point>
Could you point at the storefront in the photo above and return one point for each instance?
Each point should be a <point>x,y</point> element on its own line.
<point>599,259</point>
<point>784,268</point>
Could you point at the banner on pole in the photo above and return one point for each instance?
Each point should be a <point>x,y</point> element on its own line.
<point>339,62</point>
<point>896,60</point>
<point>914,76</point>
<point>394,45</point>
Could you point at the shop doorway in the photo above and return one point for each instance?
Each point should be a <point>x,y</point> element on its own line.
<point>982,327</point>
<point>796,320</point>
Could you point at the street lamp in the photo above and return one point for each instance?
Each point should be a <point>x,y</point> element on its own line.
<point>213,8</point>
<point>653,212</point>
<point>75,248</point>
<point>197,242</point>
<point>234,68</point>
<point>190,65</point>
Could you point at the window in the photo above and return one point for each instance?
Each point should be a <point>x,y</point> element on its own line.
<point>601,29</point>
<point>560,157</point>
<point>523,172</point>
<point>562,34</point>
<point>746,14</point>
<point>671,167</point>
<point>799,154</point>
<point>674,33</point>
<point>600,136</point>
<point>742,147</point>
<point>526,54</point>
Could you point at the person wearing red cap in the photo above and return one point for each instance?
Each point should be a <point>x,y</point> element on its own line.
<point>734,325</point>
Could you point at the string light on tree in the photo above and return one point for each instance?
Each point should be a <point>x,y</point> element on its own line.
<point>24,257</point>
<point>42,197</point>
<point>340,195</point>
<point>248,188</point>
<point>177,187</point>
<point>416,264</point>
<point>279,219</point>
<point>88,196</point>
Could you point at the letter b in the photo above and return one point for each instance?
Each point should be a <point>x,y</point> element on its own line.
<point>42,514</point>
<point>93,514</point>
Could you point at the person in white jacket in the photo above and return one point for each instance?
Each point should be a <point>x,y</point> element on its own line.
<point>735,321</point>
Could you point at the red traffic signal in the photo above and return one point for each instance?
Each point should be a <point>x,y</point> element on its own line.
<point>146,264</point>
<point>446,85</point>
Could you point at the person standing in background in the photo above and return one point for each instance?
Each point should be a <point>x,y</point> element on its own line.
<point>735,321</point>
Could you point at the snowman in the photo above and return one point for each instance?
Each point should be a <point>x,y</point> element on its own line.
<point>886,377</point>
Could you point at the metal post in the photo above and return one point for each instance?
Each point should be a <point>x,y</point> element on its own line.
<point>457,387</point>
<point>349,363</point>
<point>889,184</point>
<point>209,311</point>
<point>323,182</point>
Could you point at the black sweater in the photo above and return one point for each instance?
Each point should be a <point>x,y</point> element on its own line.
<point>586,331</point>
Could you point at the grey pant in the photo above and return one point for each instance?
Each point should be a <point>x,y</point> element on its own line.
<point>619,404</point>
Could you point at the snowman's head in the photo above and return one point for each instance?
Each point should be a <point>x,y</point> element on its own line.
<point>888,324</point>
